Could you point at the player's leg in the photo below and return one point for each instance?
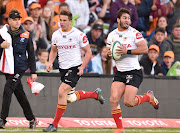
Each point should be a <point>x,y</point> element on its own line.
<point>80,95</point>
<point>23,101</point>
<point>61,107</point>
<point>134,79</point>
<point>117,91</point>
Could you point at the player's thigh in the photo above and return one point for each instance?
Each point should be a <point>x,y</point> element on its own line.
<point>130,93</point>
<point>117,90</point>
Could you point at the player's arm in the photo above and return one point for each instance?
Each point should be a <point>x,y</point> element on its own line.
<point>52,57</point>
<point>87,57</point>
<point>142,48</point>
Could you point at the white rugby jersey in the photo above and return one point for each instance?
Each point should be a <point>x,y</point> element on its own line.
<point>69,46</point>
<point>129,38</point>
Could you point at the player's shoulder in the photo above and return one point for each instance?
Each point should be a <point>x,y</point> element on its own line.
<point>133,30</point>
<point>56,33</point>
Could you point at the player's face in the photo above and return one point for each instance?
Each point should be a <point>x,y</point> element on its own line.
<point>65,22</point>
<point>124,21</point>
<point>14,23</point>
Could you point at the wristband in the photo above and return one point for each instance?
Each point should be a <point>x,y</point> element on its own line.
<point>129,52</point>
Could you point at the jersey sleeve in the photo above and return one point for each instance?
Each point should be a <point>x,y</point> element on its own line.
<point>138,36</point>
<point>54,39</point>
<point>83,40</point>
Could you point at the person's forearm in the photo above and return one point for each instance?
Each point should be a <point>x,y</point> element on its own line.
<point>52,56</point>
<point>86,58</point>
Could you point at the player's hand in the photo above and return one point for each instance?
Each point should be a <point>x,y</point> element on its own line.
<point>33,77</point>
<point>80,70</point>
<point>5,44</point>
<point>122,50</point>
<point>49,67</point>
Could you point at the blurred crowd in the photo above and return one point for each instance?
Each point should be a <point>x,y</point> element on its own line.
<point>157,20</point>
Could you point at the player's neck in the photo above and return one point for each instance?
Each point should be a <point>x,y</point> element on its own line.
<point>120,29</point>
<point>67,30</point>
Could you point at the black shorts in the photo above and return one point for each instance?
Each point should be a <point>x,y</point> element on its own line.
<point>69,76</point>
<point>134,77</point>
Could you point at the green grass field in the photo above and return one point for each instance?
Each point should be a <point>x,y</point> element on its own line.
<point>92,130</point>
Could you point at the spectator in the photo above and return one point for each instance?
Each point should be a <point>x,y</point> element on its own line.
<point>164,8</point>
<point>100,64</point>
<point>173,41</point>
<point>38,41</point>
<point>144,10</point>
<point>172,19</point>
<point>13,4</point>
<point>81,8</point>
<point>47,14</point>
<point>122,4</point>
<point>103,10</point>
<point>41,64</point>
<point>35,13</point>
<point>168,61</point>
<point>159,40</point>
<point>56,22</point>
<point>149,65</point>
<point>96,36</point>
<point>51,5</point>
<point>3,4</point>
<point>178,21</point>
<point>162,22</point>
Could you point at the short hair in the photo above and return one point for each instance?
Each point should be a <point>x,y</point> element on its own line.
<point>66,13</point>
<point>63,4</point>
<point>160,30</point>
<point>122,11</point>
<point>41,51</point>
<point>176,26</point>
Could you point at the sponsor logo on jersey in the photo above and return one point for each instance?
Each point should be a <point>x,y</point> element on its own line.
<point>66,46</point>
<point>139,35</point>
<point>85,39</point>
<point>127,45</point>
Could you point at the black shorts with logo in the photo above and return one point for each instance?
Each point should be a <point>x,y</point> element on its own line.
<point>134,77</point>
<point>69,76</point>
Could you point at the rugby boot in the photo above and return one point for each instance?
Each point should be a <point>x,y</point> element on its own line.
<point>2,123</point>
<point>152,99</point>
<point>119,130</point>
<point>33,123</point>
<point>100,98</point>
<point>51,128</point>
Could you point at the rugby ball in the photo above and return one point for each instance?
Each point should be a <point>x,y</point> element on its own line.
<point>114,46</point>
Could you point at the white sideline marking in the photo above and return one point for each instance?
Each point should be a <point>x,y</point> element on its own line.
<point>94,130</point>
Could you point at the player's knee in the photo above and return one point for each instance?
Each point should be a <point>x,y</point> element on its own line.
<point>62,93</point>
<point>128,103</point>
<point>114,100</point>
